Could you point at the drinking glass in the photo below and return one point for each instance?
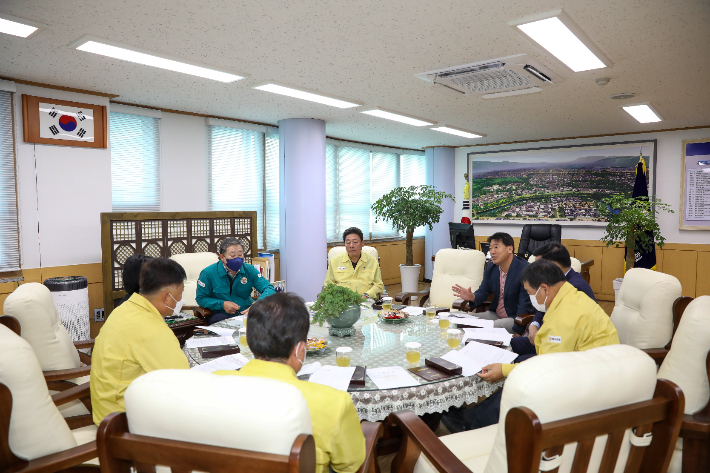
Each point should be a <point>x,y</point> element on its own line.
<point>414,352</point>
<point>443,321</point>
<point>342,356</point>
<point>244,320</point>
<point>386,303</point>
<point>243,337</point>
<point>453,338</point>
<point>430,309</point>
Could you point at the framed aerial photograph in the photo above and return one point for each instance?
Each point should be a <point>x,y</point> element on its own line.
<point>64,123</point>
<point>695,185</point>
<point>555,184</point>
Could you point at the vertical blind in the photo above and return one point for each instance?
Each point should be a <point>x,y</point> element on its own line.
<point>385,177</point>
<point>9,238</point>
<point>236,172</point>
<point>413,174</point>
<point>135,163</point>
<point>271,191</point>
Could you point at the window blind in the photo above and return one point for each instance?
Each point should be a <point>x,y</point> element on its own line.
<point>271,176</point>
<point>353,190</point>
<point>384,178</point>
<point>413,174</point>
<point>135,163</point>
<point>331,193</point>
<point>236,172</point>
<point>9,238</point>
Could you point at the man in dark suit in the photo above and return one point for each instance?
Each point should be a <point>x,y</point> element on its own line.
<point>558,254</point>
<point>503,276</point>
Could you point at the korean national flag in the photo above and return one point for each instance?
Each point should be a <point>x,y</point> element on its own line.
<point>61,122</point>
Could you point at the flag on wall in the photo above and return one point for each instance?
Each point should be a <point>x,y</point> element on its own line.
<point>643,259</point>
<point>66,123</point>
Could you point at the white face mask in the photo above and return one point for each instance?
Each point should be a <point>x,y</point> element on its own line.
<point>304,356</point>
<point>536,304</point>
<point>178,305</point>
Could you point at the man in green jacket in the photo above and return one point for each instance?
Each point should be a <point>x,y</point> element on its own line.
<point>225,287</point>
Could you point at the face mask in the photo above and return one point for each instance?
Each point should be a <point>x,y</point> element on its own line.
<point>304,357</point>
<point>235,264</point>
<point>178,305</point>
<point>536,304</point>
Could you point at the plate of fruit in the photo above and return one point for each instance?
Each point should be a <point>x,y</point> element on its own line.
<point>316,345</point>
<point>394,316</point>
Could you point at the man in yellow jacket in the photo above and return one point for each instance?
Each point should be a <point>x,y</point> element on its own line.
<point>573,322</point>
<point>277,334</point>
<point>354,269</point>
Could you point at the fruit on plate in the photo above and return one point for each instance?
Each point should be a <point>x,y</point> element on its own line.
<point>394,314</point>
<point>317,343</point>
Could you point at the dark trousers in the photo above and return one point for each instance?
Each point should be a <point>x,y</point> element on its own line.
<point>522,346</point>
<point>217,317</point>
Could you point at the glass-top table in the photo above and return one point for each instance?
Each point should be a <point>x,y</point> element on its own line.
<point>378,344</point>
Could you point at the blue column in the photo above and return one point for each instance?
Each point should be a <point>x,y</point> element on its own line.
<point>440,173</point>
<point>303,244</point>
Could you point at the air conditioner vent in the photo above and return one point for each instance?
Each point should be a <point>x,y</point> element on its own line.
<point>494,75</point>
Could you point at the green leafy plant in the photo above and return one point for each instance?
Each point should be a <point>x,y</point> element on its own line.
<point>333,300</point>
<point>630,220</point>
<point>407,208</point>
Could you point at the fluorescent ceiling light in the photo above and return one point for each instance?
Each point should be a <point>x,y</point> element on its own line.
<point>301,94</point>
<point>18,26</point>
<point>565,40</point>
<point>126,53</point>
<point>398,117</point>
<point>457,132</point>
<point>643,113</point>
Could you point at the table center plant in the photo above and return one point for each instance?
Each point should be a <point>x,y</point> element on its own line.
<point>332,301</point>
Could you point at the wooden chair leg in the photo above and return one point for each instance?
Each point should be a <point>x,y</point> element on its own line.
<point>696,455</point>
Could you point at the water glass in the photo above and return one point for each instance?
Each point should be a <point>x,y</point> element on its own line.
<point>243,336</point>
<point>386,303</point>
<point>414,352</point>
<point>443,321</point>
<point>453,338</point>
<point>342,356</point>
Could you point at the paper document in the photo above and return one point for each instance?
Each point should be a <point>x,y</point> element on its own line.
<point>469,366</point>
<point>392,377</point>
<point>310,368</point>
<point>333,376</point>
<point>229,362</point>
<point>209,342</point>
<point>488,354</point>
<point>458,318</point>
<point>222,332</point>
<point>492,334</point>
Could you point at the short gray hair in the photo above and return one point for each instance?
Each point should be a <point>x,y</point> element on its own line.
<point>230,241</point>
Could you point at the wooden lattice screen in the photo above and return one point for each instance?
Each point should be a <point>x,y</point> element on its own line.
<point>165,234</point>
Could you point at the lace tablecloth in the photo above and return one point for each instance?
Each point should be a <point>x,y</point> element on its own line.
<point>380,344</point>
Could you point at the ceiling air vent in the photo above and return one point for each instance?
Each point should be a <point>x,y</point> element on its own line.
<point>509,74</point>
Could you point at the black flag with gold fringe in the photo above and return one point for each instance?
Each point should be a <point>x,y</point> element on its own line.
<point>642,259</point>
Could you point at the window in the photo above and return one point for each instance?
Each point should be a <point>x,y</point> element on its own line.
<point>355,178</point>
<point>9,238</point>
<point>272,191</point>
<point>135,162</point>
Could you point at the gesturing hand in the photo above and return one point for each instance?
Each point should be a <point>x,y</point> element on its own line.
<point>230,307</point>
<point>491,373</point>
<point>463,293</point>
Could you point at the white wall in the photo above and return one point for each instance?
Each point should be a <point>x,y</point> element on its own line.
<point>668,169</point>
<point>63,194</point>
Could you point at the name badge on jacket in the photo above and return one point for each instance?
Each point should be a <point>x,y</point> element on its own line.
<point>341,268</point>
<point>554,339</point>
<point>244,280</point>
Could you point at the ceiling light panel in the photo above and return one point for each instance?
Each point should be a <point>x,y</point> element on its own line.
<point>127,53</point>
<point>558,34</point>
<point>397,117</point>
<point>15,26</point>
<point>457,132</point>
<point>303,95</point>
<point>643,113</point>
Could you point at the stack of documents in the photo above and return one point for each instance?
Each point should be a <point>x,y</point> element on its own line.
<point>209,342</point>
<point>470,320</point>
<point>333,376</point>
<point>222,332</point>
<point>392,377</point>
<point>474,356</point>
<point>229,362</point>
<point>491,334</point>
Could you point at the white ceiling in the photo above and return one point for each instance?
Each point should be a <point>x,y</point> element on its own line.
<point>369,51</point>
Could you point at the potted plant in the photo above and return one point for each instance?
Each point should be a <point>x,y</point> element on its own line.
<point>340,307</point>
<point>632,220</point>
<point>407,208</point>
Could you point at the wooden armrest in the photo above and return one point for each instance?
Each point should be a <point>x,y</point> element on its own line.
<point>461,305</point>
<point>84,358</point>
<point>77,422</point>
<point>418,438</point>
<point>372,431</point>
<point>59,375</point>
<point>587,264</point>
<point>84,343</point>
<point>405,297</point>
<point>68,395</point>
<point>12,323</point>
<point>201,312</point>
<point>61,460</point>
<point>658,354</point>
<point>695,426</point>
<point>524,320</point>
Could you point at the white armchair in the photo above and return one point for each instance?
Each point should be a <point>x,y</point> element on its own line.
<point>64,367</point>
<point>464,267</point>
<point>193,264</point>
<point>688,365</point>
<point>643,312</point>
<point>339,250</point>
<point>614,381</point>
<point>33,434</point>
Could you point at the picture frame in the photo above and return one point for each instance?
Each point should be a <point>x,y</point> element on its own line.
<point>693,193</point>
<point>539,158</point>
<point>64,123</point>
